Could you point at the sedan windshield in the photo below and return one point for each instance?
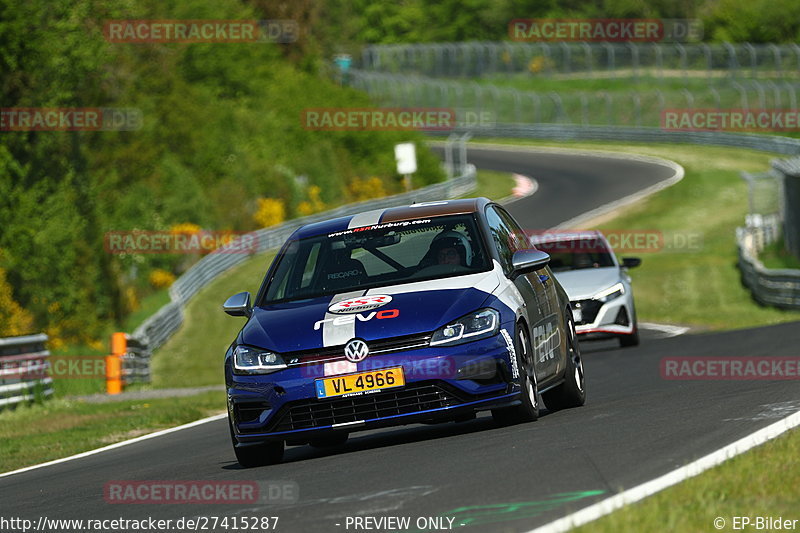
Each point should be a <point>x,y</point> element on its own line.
<point>383,254</point>
<point>577,254</point>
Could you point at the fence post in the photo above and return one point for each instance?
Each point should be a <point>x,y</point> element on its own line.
<point>119,345</point>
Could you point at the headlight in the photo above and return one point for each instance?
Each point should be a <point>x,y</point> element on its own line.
<point>615,291</point>
<point>248,360</point>
<point>474,326</point>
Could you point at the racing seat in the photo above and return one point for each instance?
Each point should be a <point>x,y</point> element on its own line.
<point>343,272</point>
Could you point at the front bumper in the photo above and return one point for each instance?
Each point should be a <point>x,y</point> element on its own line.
<point>606,320</point>
<point>440,383</point>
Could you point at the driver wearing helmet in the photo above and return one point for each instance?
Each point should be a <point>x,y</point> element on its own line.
<point>451,248</point>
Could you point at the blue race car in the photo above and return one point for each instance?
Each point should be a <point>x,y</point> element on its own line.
<point>424,313</point>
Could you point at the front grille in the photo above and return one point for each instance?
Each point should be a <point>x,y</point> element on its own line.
<point>589,310</point>
<point>317,413</point>
<point>336,353</point>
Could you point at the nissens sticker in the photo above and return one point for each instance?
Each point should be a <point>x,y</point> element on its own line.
<point>357,305</point>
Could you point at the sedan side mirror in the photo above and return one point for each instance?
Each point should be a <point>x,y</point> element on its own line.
<point>238,305</point>
<point>524,261</point>
<point>631,262</point>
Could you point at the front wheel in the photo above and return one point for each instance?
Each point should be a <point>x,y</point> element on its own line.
<point>267,453</point>
<point>571,393</point>
<point>528,410</point>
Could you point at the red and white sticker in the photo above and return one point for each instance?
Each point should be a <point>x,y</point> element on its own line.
<point>362,303</point>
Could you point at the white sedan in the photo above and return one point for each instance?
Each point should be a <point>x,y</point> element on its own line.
<point>598,286</point>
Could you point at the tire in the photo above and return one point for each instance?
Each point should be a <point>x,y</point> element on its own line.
<point>633,339</point>
<point>630,340</point>
<point>330,441</point>
<point>528,410</point>
<point>267,453</point>
<point>571,393</point>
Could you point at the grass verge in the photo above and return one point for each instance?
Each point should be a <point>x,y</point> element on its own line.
<point>492,184</point>
<point>72,426</point>
<point>747,485</point>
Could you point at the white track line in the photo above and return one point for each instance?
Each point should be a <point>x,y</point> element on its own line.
<point>118,444</point>
<point>609,505</point>
<point>669,329</point>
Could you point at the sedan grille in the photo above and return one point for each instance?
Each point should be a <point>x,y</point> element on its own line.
<point>308,414</point>
<point>589,310</point>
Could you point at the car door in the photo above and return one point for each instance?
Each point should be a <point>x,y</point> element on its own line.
<point>546,336</point>
<point>507,241</point>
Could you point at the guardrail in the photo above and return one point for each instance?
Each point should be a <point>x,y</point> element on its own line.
<point>23,369</point>
<point>135,361</point>
<point>778,287</point>
<point>158,328</point>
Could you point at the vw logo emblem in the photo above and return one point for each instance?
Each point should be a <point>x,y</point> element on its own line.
<point>356,350</point>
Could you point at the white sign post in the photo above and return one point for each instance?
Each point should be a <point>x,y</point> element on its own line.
<point>406,156</point>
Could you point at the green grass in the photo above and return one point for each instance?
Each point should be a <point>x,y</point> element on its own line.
<point>775,255</point>
<point>761,482</point>
<point>66,427</point>
<point>147,307</point>
<point>696,287</point>
<point>193,356</point>
<point>492,184</point>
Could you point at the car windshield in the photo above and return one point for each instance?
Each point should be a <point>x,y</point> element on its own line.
<point>384,254</point>
<point>577,254</point>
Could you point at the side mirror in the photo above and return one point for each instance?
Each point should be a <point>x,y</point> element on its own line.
<point>524,261</point>
<point>631,262</point>
<point>238,305</point>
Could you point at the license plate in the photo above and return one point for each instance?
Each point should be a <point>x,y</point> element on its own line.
<point>374,380</point>
<point>577,315</point>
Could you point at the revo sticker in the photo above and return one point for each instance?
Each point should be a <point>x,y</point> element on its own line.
<point>350,319</point>
<point>357,305</point>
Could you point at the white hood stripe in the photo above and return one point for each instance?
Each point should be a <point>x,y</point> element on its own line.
<point>340,334</point>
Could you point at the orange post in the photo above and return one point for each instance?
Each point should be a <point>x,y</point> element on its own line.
<point>113,374</point>
<point>119,345</point>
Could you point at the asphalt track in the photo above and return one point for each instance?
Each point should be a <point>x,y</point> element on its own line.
<point>635,425</point>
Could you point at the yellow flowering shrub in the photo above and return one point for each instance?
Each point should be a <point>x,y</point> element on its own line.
<point>366,189</point>
<point>271,211</point>
<point>161,279</point>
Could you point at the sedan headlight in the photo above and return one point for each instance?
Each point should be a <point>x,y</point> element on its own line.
<point>478,325</point>
<point>615,291</point>
<point>247,360</point>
